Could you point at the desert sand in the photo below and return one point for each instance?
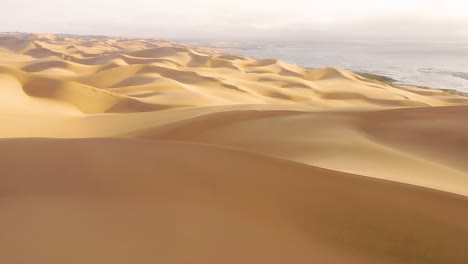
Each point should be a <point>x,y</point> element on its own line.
<point>116,150</point>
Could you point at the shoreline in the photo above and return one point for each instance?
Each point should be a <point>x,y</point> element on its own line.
<point>227,51</point>
<point>393,82</point>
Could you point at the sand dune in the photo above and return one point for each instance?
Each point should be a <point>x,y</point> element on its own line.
<point>175,154</point>
<point>226,79</point>
<point>158,205</point>
<point>360,143</point>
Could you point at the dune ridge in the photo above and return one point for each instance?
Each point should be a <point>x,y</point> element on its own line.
<point>115,63</point>
<point>116,150</point>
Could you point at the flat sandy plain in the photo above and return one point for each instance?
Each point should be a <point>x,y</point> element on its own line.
<point>120,150</point>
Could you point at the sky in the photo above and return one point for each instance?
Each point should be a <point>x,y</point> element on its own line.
<point>241,19</point>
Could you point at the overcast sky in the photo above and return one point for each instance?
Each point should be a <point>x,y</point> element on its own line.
<point>240,19</point>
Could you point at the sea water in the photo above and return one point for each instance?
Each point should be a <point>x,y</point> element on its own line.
<point>431,64</point>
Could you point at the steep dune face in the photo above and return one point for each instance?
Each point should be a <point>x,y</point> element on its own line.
<point>174,154</point>
<point>86,99</point>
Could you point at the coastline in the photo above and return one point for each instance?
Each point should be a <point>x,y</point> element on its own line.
<point>393,82</point>
<point>407,62</point>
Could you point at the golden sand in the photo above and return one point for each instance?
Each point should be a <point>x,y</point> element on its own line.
<point>141,151</point>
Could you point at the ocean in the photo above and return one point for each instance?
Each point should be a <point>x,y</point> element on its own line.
<point>439,65</point>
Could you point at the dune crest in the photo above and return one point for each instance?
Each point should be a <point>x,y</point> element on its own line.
<point>116,150</point>
<point>227,80</point>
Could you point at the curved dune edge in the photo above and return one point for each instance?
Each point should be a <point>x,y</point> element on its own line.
<point>352,142</point>
<point>145,75</point>
<point>97,195</point>
<point>175,154</point>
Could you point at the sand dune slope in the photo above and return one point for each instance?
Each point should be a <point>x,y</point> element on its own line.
<point>158,71</point>
<point>119,201</point>
<point>117,150</point>
<point>365,143</point>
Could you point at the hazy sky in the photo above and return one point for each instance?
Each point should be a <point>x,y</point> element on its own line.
<point>238,19</point>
